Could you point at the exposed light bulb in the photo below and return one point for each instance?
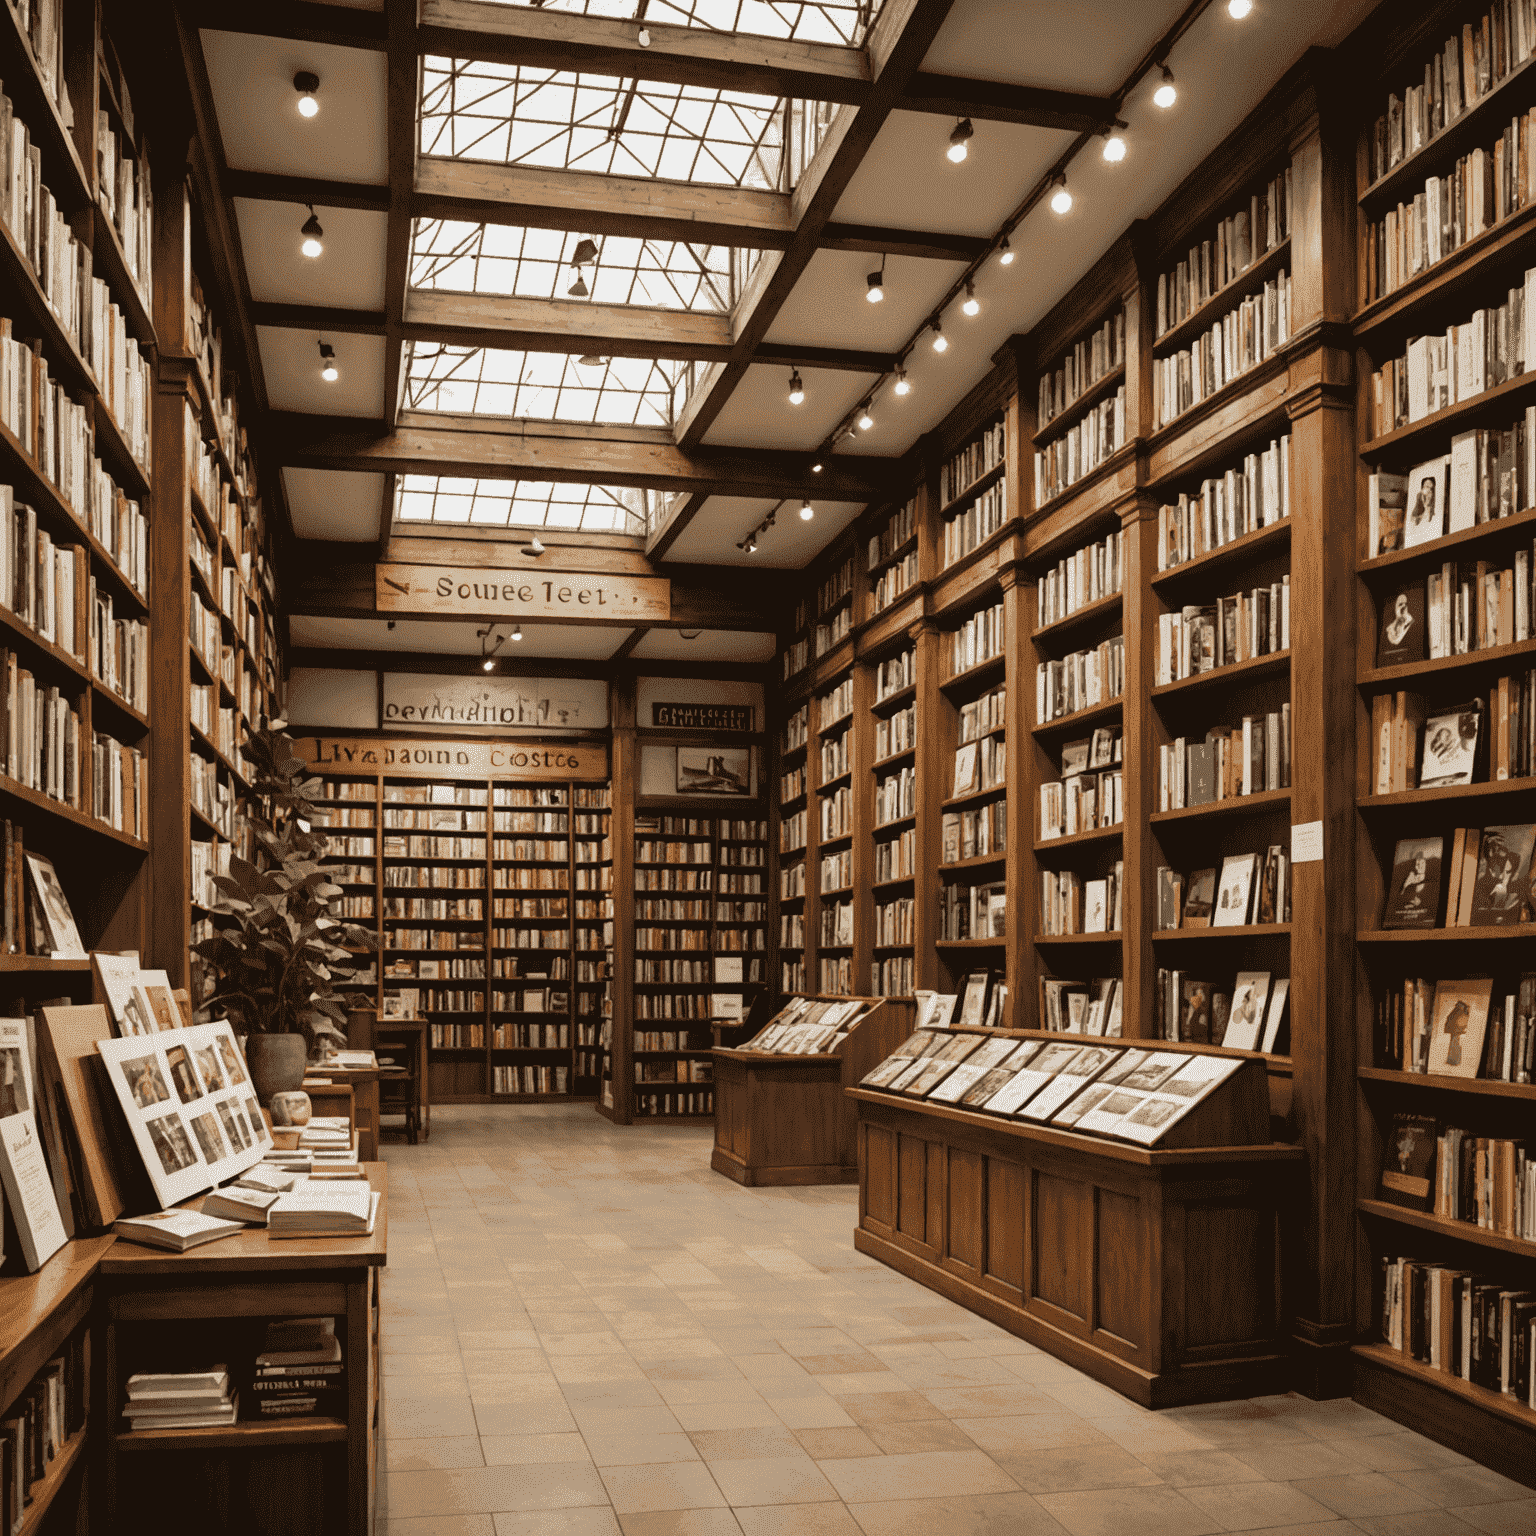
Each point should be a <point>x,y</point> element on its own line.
<point>751,545</point>
<point>940,340</point>
<point>796,388</point>
<point>807,512</point>
<point>306,84</point>
<point>312,236</point>
<point>972,305</point>
<point>866,421</point>
<point>959,140</point>
<point>903,387</point>
<point>328,370</point>
<point>1061,198</point>
<point>1005,253</point>
<point>517,631</point>
<point>1167,93</point>
<point>1114,148</point>
<point>815,469</point>
<point>644,38</point>
<point>1237,9</point>
<point>876,291</point>
<point>488,665</point>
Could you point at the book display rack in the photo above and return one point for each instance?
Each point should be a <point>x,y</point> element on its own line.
<point>1443,766</point>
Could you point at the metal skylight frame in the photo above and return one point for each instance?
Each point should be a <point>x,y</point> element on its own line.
<point>809,21</point>
<point>449,501</point>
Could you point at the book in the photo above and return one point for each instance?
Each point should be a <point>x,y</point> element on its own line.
<point>1408,1161</point>
<point>1388,514</point>
<point>1450,746</point>
<point>1195,1010</point>
<point>58,929</point>
<point>1200,899</point>
<point>974,999</point>
<point>30,1196</point>
<point>176,1230</point>
<point>1234,895</point>
<point>1402,636</point>
<point>1160,1111</point>
<point>334,1210</point>
<point>149,1385</point>
<point>1245,1020</point>
<point>1501,894</point>
<point>1424,519</point>
<point>1276,1014</point>
<point>240,1204</point>
<point>1460,1025</point>
<point>965,769</point>
<point>1413,894</point>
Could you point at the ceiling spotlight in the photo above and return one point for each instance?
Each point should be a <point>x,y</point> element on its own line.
<point>1167,93</point>
<point>533,547</point>
<point>644,37</point>
<point>902,387</point>
<point>940,340</point>
<point>1114,147</point>
<point>311,243</point>
<point>489,664</point>
<point>517,631</point>
<point>328,370</point>
<point>1005,253</point>
<point>579,289</point>
<point>1061,199</point>
<point>972,305</point>
<point>866,421</point>
<point>751,545</point>
<point>1237,9</point>
<point>488,649</point>
<point>815,469</point>
<point>586,250</point>
<point>807,512</point>
<point>306,84</point>
<point>959,140</point>
<point>876,281</point>
<point>796,388</point>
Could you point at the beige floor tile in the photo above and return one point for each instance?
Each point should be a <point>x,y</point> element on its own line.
<point>737,1391</point>
<point>681,1522</point>
<point>1073,1468</point>
<point>1419,1522</point>
<point>664,1486</point>
<point>745,1444</point>
<point>1454,1487</point>
<point>1188,1469</point>
<point>558,1522</point>
<point>1403,1452</point>
<point>1148,1432</point>
<point>986,1514</point>
<point>792,1479</point>
<point>756,1415</point>
<point>920,1435</point>
<point>890,1407</point>
<point>1255,1506</point>
<point>1365,1493</point>
<point>818,1412</point>
<point>434,1453</point>
<point>835,1444</point>
<point>488,1489</point>
<point>542,1418</point>
<point>797,1520</point>
<point>1511,1519</point>
<point>986,1401</point>
<point>412,1418</point>
<point>625,1421</point>
<point>1020,1434</point>
<point>925,1474</point>
<point>1116,1511</point>
<point>528,1450</point>
<point>441,1525</point>
<point>1284,1464</point>
<point>626,1448</point>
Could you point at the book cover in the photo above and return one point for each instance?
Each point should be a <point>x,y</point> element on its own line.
<point>1413,896</point>
<point>1408,1162</point>
<point>965,769</point>
<point>1402,636</point>
<point>1234,893</point>
<point>1460,1025</point>
<point>1276,1015</point>
<point>1502,893</point>
<point>1425,518</point>
<point>1388,513</point>
<point>60,933</point>
<point>29,1192</point>
<point>1450,746</point>
<point>1245,1020</point>
<point>1200,901</point>
<point>1195,1011</point>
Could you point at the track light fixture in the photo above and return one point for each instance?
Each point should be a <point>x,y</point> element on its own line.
<point>866,421</point>
<point>972,305</point>
<point>490,643</point>
<point>585,252</point>
<point>796,388</point>
<point>751,544</point>
<point>579,289</point>
<point>517,631</point>
<point>1061,198</point>
<point>876,280</point>
<point>815,469</point>
<point>328,369</point>
<point>1005,253</point>
<point>1167,92</point>
<point>534,547</point>
<point>807,511</point>
<point>1237,9</point>
<point>306,84</point>
<point>1114,145</point>
<point>940,340</point>
<point>959,140</point>
<point>902,386</point>
<point>311,241</point>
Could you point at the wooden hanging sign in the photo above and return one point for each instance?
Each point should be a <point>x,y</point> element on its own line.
<point>468,591</point>
<point>424,758</point>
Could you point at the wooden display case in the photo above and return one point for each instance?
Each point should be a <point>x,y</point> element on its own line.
<point>787,1119</point>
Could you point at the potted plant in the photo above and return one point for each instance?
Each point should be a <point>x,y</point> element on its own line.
<point>278,945</point>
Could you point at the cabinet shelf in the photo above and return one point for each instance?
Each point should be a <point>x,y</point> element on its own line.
<point>235,1437</point>
<point>983,671</point>
<point>1255,669</point>
<point>1413,441</point>
<point>1245,931</point>
<point>1491,656</point>
<point>971,797</point>
<point>976,861</point>
<point>984,481</point>
<point>1233,805</point>
<point>1517,931</point>
<point>1489,1087</point>
<point>1448,794</point>
<point>1094,714</point>
<point>1446,1226</point>
<point>1499,1404</point>
<point>1090,613</point>
<point>1080,938</point>
<point>1432,552</point>
<point>1250,280</point>
<point>892,701</point>
<point>41,1494</point>
<point>1088,839</point>
<point>1260,543</point>
<point>1073,412</point>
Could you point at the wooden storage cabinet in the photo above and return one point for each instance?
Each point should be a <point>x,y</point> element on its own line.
<point>1157,1272</point>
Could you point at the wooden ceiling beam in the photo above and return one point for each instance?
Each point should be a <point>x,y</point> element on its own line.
<point>315,442</point>
<point>319,317</point>
<point>302,191</point>
<point>901,242</point>
<point>667,535</point>
<point>300,21</point>
<point>994,101</point>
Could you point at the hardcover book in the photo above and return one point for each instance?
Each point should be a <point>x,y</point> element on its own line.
<point>1234,893</point>
<point>1389,506</point>
<point>1245,1022</point>
<point>1402,626</point>
<point>1450,746</point>
<point>1413,896</point>
<point>1200,902</point>
<point>1408,1162</point>
<point>1460,1025</point>
<point>1502,894</point>
<point>1425,517</point>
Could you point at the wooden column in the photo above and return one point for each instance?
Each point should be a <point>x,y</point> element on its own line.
<point>861,753</point>
<point>1019,674</point>
<point>931,780</point>
<point>626,787</point>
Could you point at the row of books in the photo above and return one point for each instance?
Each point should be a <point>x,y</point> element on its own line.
<point>1463,1027</point>
<point>43,583</point>
<point>979,765</point>
<point>1073,903</point>
<point>530,1079</point>
<point>900,527</point>
<point>1122,1092</point>
<point>791,881</point>
<point>1482,880</point>
<point>1252,888</point>
<point>895,922</point>
<point>978,639</point>
<point>974,524</point>
<point>1083,803</point>
<point>836,924</point>
<point>118,795</point>
<point>519,938</point>
<point>1226,507</point>
<point>522,1000</point>
<point>433,908</point>
<point>41,734</point>
<point>1246,759</point>
<point>792,784</point>
<point>835,704</point>
<point>1241,238</point>
<point>836,755</point>
<point>671,972</point>
<point>662,877</point>
<point>1488,475</point>
<point>686,1105</point>
<point>1096,355</point>
<point>892,976</point>
<point>426,846</point>
<point>453,1037</point>
<point>1248,1018</point>
<point>1253,331</point>
<point>1205,637</point>
<point>671,1005</point>
<point>124,192</point>
<point>450,877</point>
<point>792,832</point>
<point>1456,610</point>
<point>212,795</point>
<point>896,857</point>
<point>893,581</point>
<point>837,813</point>
<point>44,1417</point>
<point>1469,64</point>
<point>1465,1324</point>
<point>984,452</point>
<point>1081,448</point>
<point>836,588</point>
<point>972,834</point>
<point>1087,575</point>
<point>688,1070</point>
<point>828,635</point>
<point>510,906</point>
<point>1488,1181</point>
<point>1455,744</point>
<point>472,968</point>
<point>895,673</point>
<point>895,733</point>
<point>1483,188</point>
<point>797,656</point>
<point>1082,1008</point>
<point>796,729</point>
<point>896,796</point>
<point>1079,680</point>
<point>973,911</point>
<point>834,975</point>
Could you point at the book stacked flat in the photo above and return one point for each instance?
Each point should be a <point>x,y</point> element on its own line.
<point>331,1144</point>
<point>342,1209</point>
<point>181,1400</point>
<point>299,1370</point>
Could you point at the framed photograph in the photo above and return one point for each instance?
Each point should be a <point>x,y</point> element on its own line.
<point>1413,898</point>
<point>1076,757</point>
<point>115,976</point>
<point>714,771</point>
<point>1200,899</point>
<point>1234,891</point>
<point>1460,1023</point>
<point>1402,636</point>
<point>1101,753</point>
<point>1425,517</point>
<point>62,937</point>
<point>1450,746</point>
<point>156,1002</point>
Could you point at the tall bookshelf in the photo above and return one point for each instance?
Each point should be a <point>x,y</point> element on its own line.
<point>1401,149</point>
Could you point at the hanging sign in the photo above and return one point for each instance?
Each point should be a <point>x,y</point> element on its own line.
<point>426,759</point>
<point>487,705</point>
<point>738,719</point>
<point>472,591</point>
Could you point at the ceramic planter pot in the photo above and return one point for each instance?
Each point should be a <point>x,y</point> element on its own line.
<point>276,1063</point>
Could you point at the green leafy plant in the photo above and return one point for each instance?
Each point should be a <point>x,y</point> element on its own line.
<point>278,948</point>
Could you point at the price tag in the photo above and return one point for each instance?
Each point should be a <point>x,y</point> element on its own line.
<point>1307,843</point>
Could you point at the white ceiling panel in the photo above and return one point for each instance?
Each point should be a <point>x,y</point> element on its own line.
<point>828,307</point>
<point>331,504</point>
<point>906,182</point>
<point>348,272</point>
<point>259,122</point>
<point>569,642</point>
<point>711,537</point>
<point>759,415</point>
<point>291,362</point>
<point>708,645</point>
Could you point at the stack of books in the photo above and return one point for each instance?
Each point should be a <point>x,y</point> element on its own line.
<point>331,1144</point>
<point>299,1370</point>
<point>324,1210</point>
<point>181,1400</point>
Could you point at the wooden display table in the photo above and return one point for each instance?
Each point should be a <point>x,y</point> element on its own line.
<point>408,1037</point>
<point>298,1477</point>
<point>1156,1271</point>
<point>787,1119</point>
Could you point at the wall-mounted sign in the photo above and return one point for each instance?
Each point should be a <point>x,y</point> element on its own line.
<point>416,701</point>
<point>470,591</point>
<point>737,718</point>
<point>425,759</point>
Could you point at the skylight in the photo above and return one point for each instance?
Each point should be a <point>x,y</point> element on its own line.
<point>543,386</point>
<point>541,264</point>
<point>811,21</point>
<point>504,113</point>
<point>524,504</point>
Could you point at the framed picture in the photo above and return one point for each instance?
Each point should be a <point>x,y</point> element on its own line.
<point>1234,893</point>
<point>1425,519</point>
<point>714,771</point>
<point>62,937</point>
<point>156,1002</point>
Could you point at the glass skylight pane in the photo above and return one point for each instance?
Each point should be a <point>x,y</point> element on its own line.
<point>524,504</point>
<point>478,110</point>
<point>542,386</point>
<point>537,264</point>
<point>812,21</point>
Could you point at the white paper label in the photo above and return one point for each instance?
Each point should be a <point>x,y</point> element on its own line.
<point>1307,843</point>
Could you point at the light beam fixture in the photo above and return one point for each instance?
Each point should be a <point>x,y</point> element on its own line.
<point>972,305</point>
<point>1167,92</point>
<point>959,141</point>
<point>751,544</point>
<point>1061,198</point>
<point>796,388</point>
<point>306,83</point>
<point>579,289</point>
<point>517,631</point>
<point>866,421</point>
<point>815,469</point>
<point>487,648</point>
<point>328,369</point>
<point>902,386</point>
<point>1005,253</point>
<point>312,237</point>
<point>1114,146</point>
<point>1237,9</point>
<point>807,511</point>
<point>876,280</point>
<point>586,251</point>
<point>940,340</point>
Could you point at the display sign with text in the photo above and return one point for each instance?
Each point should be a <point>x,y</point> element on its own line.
<point>427,759</point>
<point>737,718</point>
<point>489,704</point>
<point>468,591</point>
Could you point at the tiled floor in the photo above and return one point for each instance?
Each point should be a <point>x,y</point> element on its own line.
<point>587,1332</point>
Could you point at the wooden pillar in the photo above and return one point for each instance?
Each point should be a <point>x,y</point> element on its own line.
<point>1020,962</point>
<point>931,780</point>
<point>626,788</point>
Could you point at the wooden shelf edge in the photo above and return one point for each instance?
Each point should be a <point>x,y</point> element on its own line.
<point>227,1437</point>
<point>1492,1087</point>
<point>1515,522</point>
<point>1502,1406</point>
<point>1231,805</point>
<point>1446,1226</point>
<point>1243,547</point>
<point>41,1494</point>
